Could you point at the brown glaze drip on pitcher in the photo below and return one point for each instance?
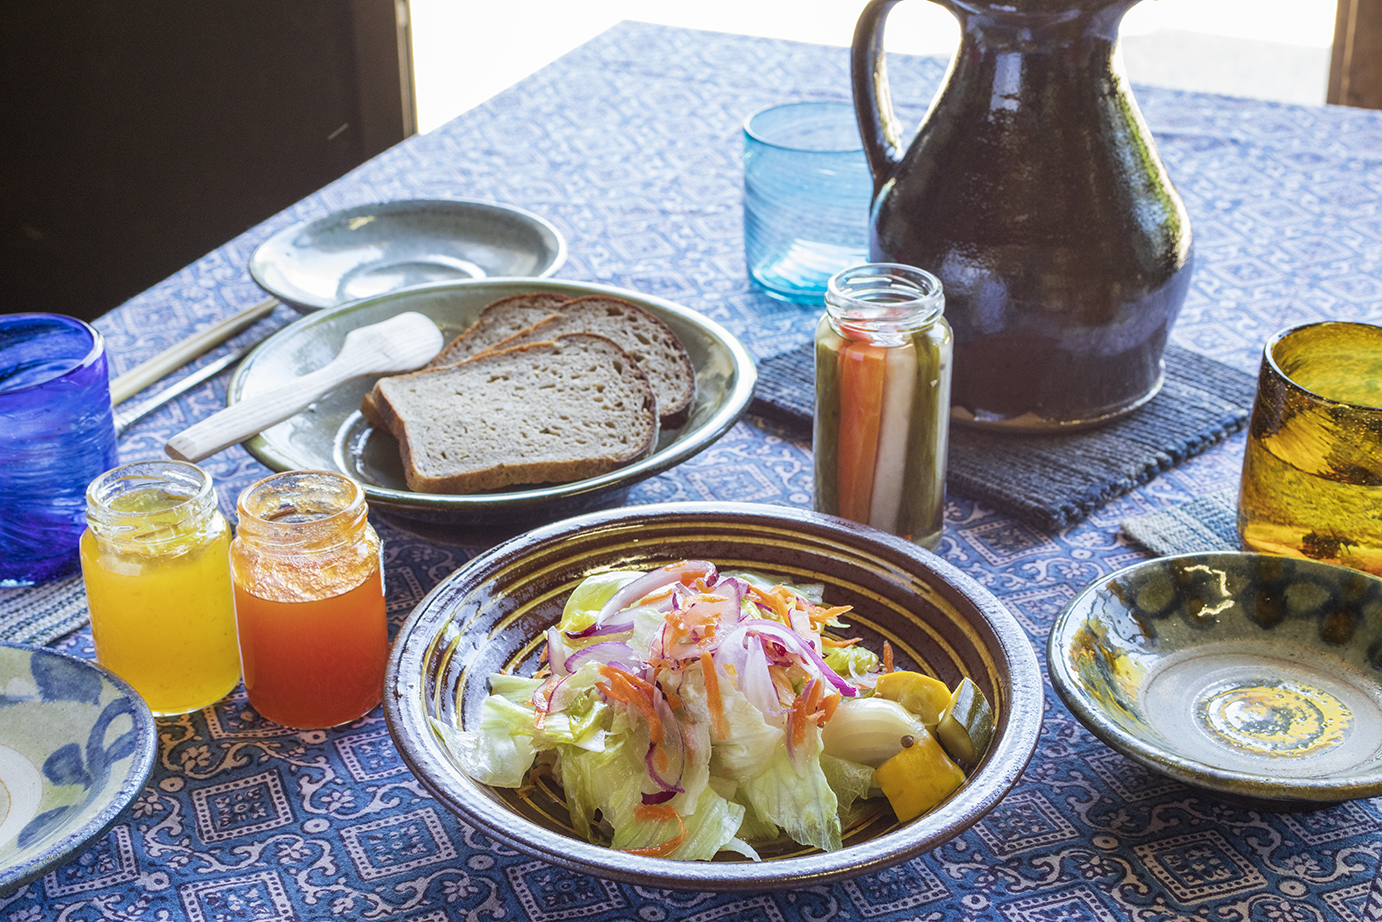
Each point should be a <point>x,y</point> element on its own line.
<point>1034,191</point>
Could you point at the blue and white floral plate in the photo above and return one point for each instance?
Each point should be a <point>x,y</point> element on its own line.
<point>77,745</point>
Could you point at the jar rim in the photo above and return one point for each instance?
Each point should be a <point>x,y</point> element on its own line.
<point>885,293</point>
<point>339,501</point>
<point>137,474</point>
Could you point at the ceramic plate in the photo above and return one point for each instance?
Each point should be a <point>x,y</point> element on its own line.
<point>372,249</point>
<point>77,744</point>
<point>492,615</point>
<point>332,435</point>
<point>1247,674</point>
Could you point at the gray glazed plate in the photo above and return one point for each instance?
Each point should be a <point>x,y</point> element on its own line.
<point>77,745</point>
<point>493,612</point>
<point>332,435</point>
<point>372,249</point>
<point>1255,676</point>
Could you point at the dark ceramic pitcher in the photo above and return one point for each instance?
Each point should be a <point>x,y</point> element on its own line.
<point>1034,191</point>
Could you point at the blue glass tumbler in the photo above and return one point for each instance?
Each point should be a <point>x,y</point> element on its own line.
<point>807,191</point>
<point>56,436</point>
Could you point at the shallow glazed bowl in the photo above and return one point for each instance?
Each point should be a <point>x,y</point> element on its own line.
<point>332,435</point>
<point>491,615</point>
<point>1255,676</point>
<point>77,745</point>
<point>372,249</point>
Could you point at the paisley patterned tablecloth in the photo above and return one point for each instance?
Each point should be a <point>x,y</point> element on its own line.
<point>630,145</point>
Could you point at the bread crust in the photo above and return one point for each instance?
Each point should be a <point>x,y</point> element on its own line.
<point>641,334</point>
<point>497,321</point>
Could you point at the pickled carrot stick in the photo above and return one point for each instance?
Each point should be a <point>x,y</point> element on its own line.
<point>862,368</point>
<point>899,386</point>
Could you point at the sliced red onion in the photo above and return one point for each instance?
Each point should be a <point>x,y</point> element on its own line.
<point>562,695</point>
<point>556,652</point>
<point>542,695</point>
<point>601,630</point>
<point>608,651</point>
<point>672,743</point>
<point>754,680</point>
<point>634,590</point>
<point>661,797</point>
<point>795,644</point>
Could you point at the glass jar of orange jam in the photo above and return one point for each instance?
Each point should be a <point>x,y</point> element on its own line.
<point>156,567</point>
<point>309,598</point>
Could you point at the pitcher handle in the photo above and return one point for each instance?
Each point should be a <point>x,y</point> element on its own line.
<point>879,128</point>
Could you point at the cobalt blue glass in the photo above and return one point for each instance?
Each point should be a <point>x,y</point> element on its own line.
<point>56,436</point>
<point>807,188</point>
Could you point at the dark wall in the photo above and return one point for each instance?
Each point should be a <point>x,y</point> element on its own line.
<point>137,135</point>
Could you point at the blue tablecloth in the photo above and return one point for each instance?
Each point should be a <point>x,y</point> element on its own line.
<point>631,146</point>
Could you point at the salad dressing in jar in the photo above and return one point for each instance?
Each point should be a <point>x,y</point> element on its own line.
<point>309,597</point>
<point>154,561</point>
<point>883,354</point>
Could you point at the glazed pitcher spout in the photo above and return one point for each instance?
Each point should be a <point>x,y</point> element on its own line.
<point>1033,190</point>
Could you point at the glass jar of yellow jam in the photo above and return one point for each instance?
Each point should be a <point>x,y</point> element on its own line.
<point>156,563</point>
<point>883,354</point>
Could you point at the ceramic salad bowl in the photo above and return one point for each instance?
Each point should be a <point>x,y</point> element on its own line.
<point>1251,675</point>
<point>492,614</point>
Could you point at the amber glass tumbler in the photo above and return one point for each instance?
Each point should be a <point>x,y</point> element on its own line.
<point>1312,472</point>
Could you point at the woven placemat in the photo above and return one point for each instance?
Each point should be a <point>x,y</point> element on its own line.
<point>1054,481</point>
<point>1209,523</point>
<point>42,614</point>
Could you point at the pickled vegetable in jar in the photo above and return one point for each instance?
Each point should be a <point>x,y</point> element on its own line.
<point>309,597</point>
<point>883,355</point>
<point>157,573</point>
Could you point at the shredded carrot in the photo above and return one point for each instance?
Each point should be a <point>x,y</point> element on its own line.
<point>828,706</point>
<point>659,812</point>
<point>718,724</point>
<point>821,616</point>
<point>833,642</point>
<point>633,691</point>
<point>887,657</point>
<point>778,600</point>
<point>657,595</point>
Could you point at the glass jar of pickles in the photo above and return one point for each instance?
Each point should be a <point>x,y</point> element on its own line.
<point>883,352</point>
<point>157,574</point>
<point>309,598</point>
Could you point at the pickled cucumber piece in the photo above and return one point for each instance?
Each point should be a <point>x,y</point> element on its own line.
<point>967,724</point>
<point>920,776</point>
<point>923,695</point>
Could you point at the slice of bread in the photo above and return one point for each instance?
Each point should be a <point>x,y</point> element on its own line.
<point>548,412</point>
<point>497,322</point>
<point>651,343</point>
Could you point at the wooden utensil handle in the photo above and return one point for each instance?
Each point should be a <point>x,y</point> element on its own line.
<point>249,417</point>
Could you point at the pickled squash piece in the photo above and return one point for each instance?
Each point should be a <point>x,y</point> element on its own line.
<point>918,777</point>
<point>923,695</point>
<point>967,725</point>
